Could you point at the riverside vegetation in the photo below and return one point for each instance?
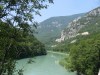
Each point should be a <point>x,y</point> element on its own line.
<point>84,53</point>
<point>17,40</point>
<point>84,56</point>
<point>16,37</point>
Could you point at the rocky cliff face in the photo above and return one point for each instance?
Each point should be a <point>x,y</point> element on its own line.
<point>80,25</point>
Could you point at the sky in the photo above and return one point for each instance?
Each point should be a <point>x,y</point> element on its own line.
<point>66,8</point>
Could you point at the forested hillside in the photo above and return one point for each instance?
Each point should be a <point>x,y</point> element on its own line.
<point>84,55</point>
<point>82,43</point>
<point>51,28</point>
<point>80,27</point>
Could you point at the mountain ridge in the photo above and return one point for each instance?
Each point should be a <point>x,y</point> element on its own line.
<point>50,29</point>
<point>82,24</point>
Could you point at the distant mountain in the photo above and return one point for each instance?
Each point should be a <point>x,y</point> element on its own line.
<point>80,28</point>
<point>51,28</point>
<point>85,25</point>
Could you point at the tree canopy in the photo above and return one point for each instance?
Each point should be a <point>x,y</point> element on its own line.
<point>18,12</point>
<point>84,56</point>
<point>16,37</point>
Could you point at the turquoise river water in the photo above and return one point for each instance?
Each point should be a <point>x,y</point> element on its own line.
<point>43,65</point>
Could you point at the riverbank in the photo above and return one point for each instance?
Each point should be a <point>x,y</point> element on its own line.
<point>61,62</point>
<point>57,53</point>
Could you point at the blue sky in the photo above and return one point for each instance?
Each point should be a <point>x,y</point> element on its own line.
<point>67,7</point>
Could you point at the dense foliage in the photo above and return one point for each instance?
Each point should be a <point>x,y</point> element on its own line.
<point>16,44</point>
<point>84,53</point>
<point>21,10</point>
<point>84,56</point>
<point>16,37</point>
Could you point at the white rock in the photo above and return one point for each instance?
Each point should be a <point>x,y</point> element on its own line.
<point>73,41</point>
<point>62,37</point>
<point>85,33</point>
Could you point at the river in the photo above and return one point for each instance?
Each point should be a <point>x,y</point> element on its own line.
<point>43,65</point>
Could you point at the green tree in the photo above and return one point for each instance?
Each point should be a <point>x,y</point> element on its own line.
<point>16,19</point>
<point>84,56</point>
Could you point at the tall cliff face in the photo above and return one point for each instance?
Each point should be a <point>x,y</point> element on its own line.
<point>89,23</point>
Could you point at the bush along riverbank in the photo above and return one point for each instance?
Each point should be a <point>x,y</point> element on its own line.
<point>84,56</point>
<point>16,43</point>
<point>20,43</point>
